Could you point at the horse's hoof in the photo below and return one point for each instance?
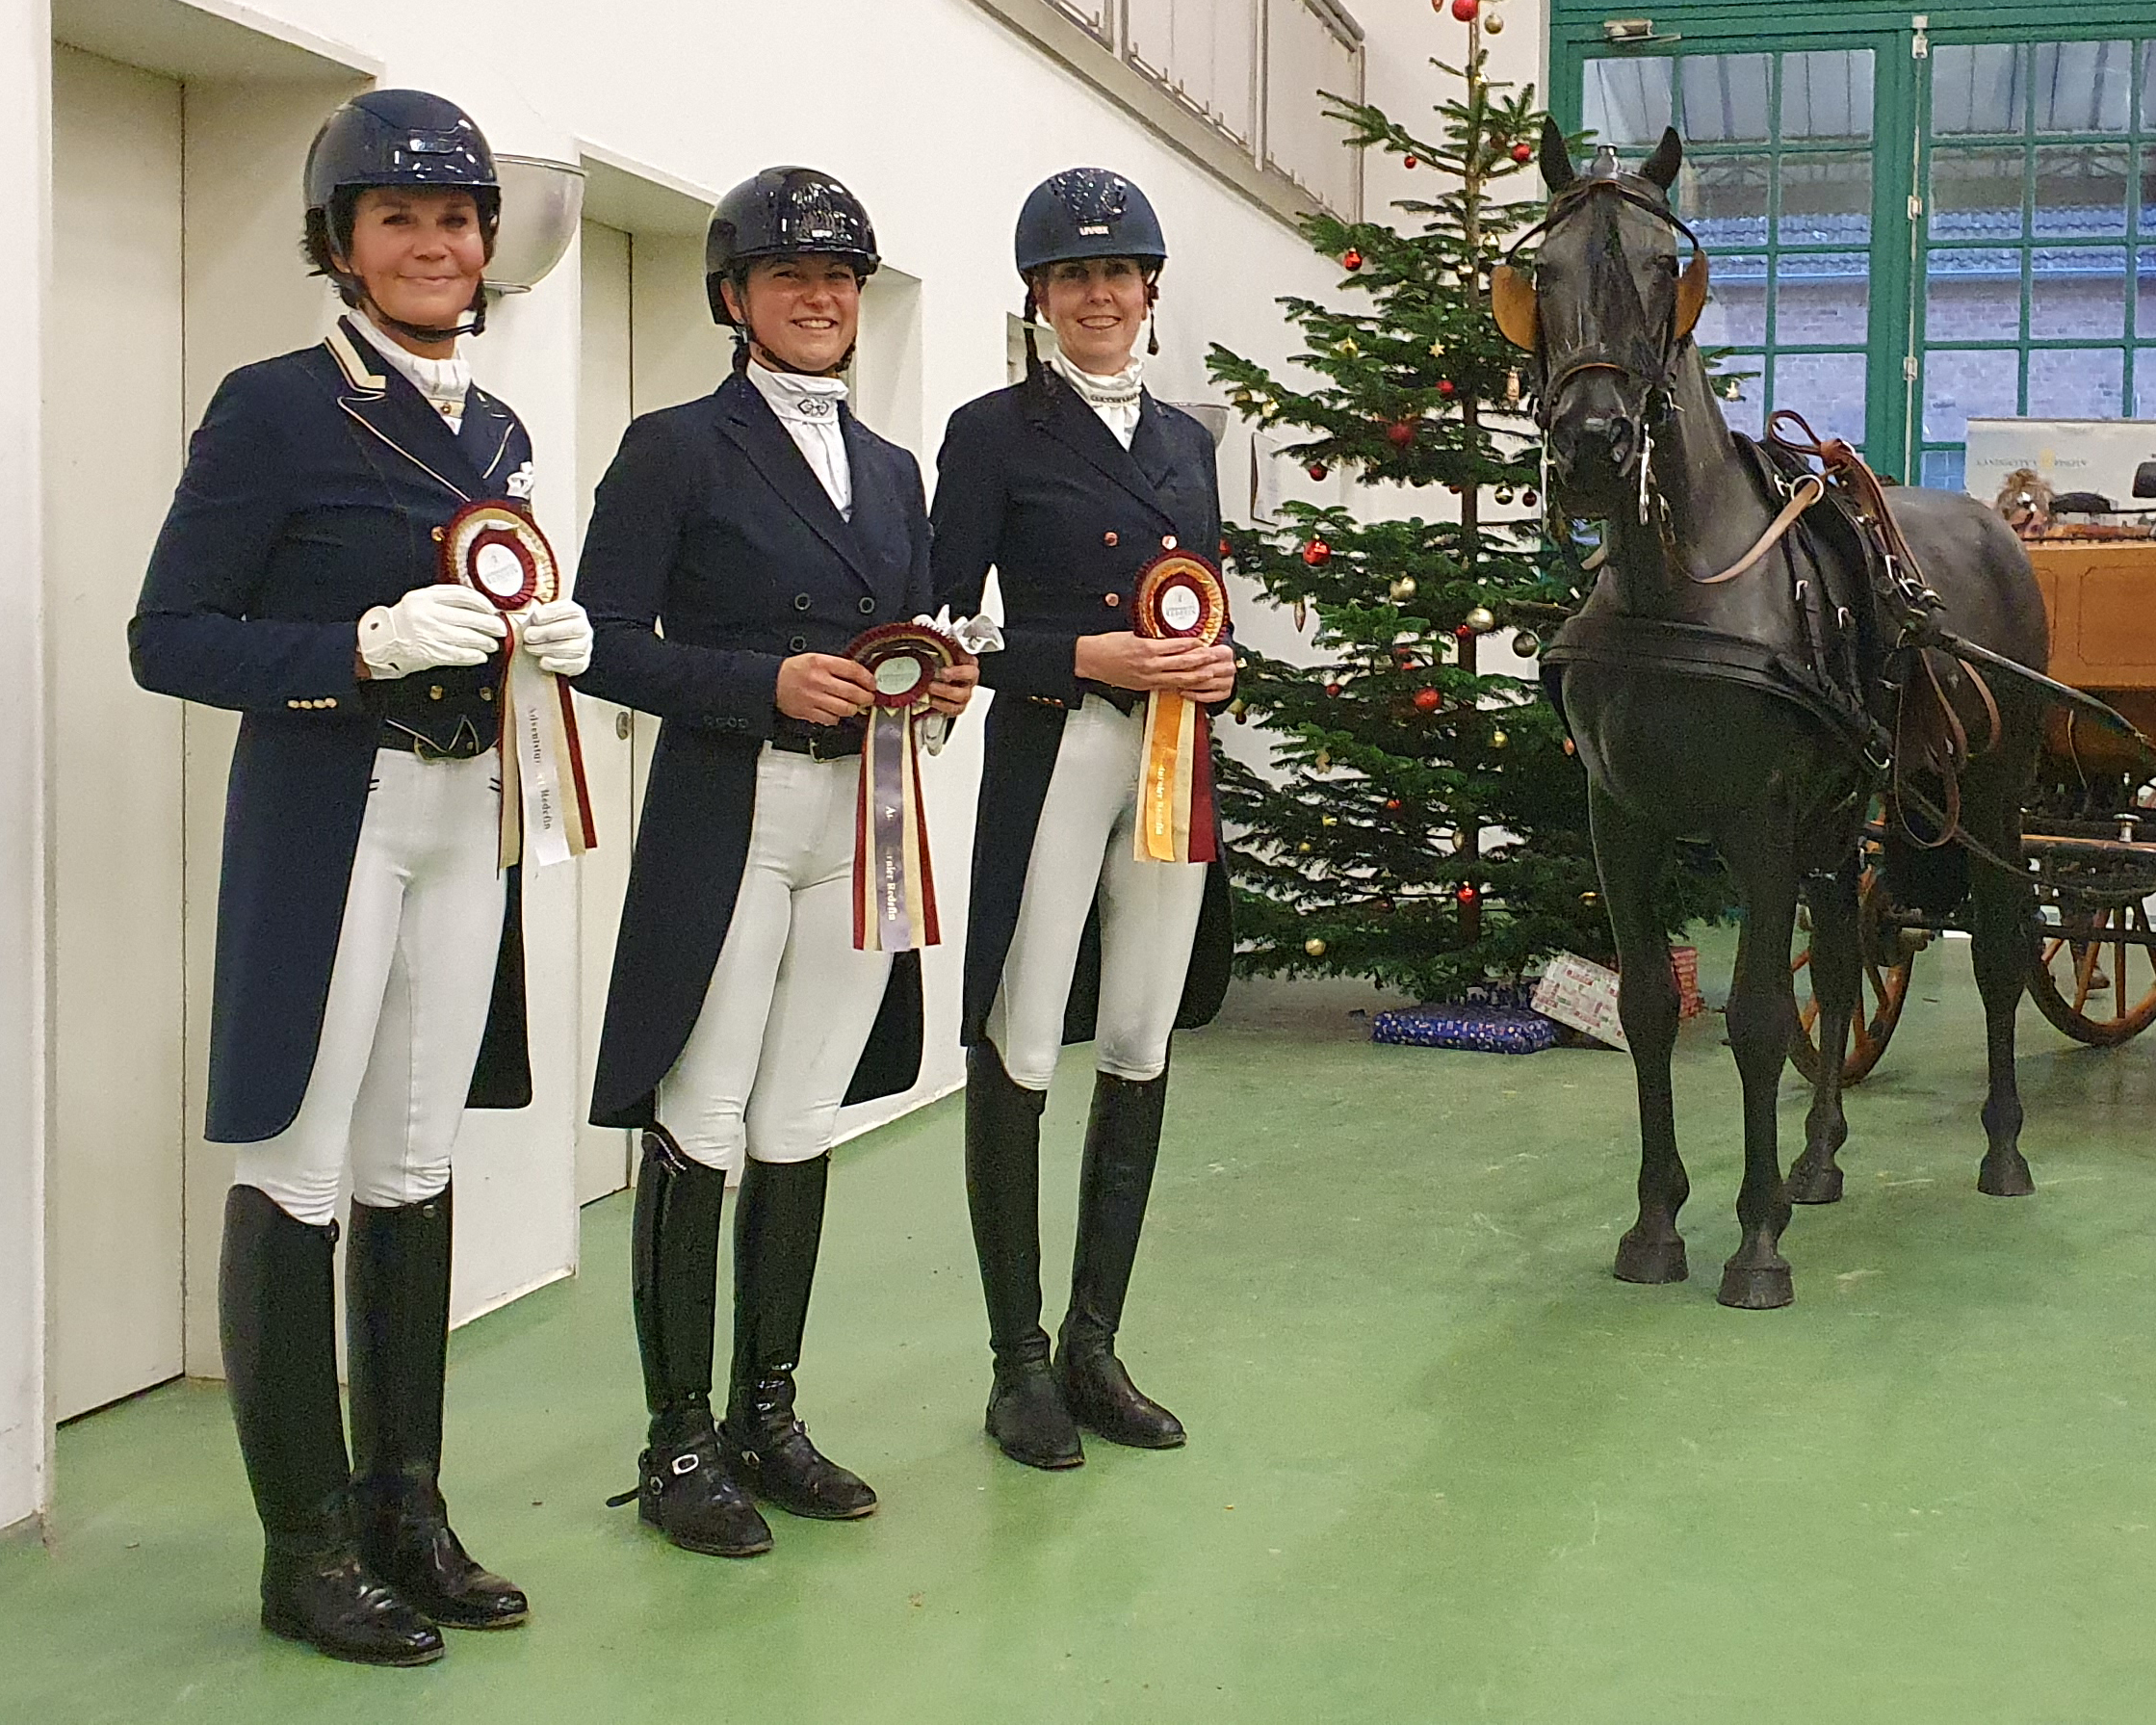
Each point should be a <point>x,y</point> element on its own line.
<point>1814,1185</point>
<point>1653,1262</point>
<point>1755,1288</point>
<point>2005,1177</point>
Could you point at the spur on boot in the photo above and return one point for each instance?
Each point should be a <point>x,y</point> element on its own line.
<point>686,1492</point>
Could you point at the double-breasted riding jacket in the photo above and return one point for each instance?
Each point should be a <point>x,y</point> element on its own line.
<point>712,525</point>
<point>1031,483</point>
<point>312,493</point>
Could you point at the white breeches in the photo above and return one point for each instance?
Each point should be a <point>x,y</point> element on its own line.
<point>1085,845</point>
<point>790,1002</point>
<point>408,996</point>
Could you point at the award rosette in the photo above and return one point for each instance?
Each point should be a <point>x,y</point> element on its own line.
<point>893,886</point>
<point>1180,597</point>
<point>499,554</point>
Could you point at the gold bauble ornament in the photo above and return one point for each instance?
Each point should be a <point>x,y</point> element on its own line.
<point>1497,739</point>
<point>1314,947</point>
<point>1348,345</point>
<point>1481,620</point>
<point>1402,588</point>
<point>1493,24</point>
<point>1328,820</point>
<point>1304,849</point>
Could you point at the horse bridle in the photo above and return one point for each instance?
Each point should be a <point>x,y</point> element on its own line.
<point>1653,374</point>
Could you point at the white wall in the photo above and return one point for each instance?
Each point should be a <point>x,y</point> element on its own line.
<point>25,118</point>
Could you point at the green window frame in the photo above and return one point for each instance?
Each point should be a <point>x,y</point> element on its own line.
<point>1915,354</point>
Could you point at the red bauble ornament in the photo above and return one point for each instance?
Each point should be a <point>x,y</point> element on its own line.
<point>1447,388</point>
<point>1466,10</point>
<point>1427,700</point>
<point>1317,470</point>
<point>1392,805</point>
<point>1463,632</point>
<point>1225,553</point>
<point>1400,433</point>
<point>1317,554</point>
<point>1333,691</point>
<point>1411,160</point>
<point>1351,259</point>
<point>1527,497</point>
<point>1468,894</point>
<point>1523,152</point>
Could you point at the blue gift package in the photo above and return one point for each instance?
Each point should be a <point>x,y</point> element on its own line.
<point>1495,1019</point>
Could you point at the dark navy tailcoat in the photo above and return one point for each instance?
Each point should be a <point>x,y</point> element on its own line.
<point>712,525</point>
<point>1032,482</point>
<point>311,494</point>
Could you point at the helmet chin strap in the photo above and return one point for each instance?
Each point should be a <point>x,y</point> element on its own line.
<point>771,361</point>
<point>472,322</point>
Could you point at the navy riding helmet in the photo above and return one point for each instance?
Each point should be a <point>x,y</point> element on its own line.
<point>1087,211</point>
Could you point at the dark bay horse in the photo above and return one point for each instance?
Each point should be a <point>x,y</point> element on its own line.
<point>1669,679</point>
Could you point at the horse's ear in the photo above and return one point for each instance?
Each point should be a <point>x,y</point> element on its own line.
<point>1668,157</point>
<point>1512,302</point>
<point>1557,157</point>
<point>1691,294</point>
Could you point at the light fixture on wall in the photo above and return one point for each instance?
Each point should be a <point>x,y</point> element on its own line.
<point>542,204</point>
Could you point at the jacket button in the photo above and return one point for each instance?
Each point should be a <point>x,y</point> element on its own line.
<point>1111,599</point>
<point>486,694</point>
<point>329,701</point>
<point>292,703</point>
<point>799,644</point>
<point>800,601</point>
<point>868,608</point>
<point>1109,537</point>
<point>434,693</point>
<point>1167,541</point>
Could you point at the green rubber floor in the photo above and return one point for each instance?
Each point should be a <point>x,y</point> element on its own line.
<point>1442,1466</point>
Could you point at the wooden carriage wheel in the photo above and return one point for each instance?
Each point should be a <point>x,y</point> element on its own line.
<point>1888,956</point>
<point>2100,991</point>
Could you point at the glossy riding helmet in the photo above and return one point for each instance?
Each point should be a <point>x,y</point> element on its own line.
<point>1085,213</point>
<point>783,212</point>
<point>394,138</point>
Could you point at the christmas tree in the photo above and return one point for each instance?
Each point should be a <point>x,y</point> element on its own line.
<point>1425,821</point>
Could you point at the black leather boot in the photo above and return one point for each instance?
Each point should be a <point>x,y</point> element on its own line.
<point>1025,1411</point>
<point>684,1486</point>
<point>1122,1144</point>
<point>277,1302</point>
<point>777,1231</point>
<point>397,1264</point>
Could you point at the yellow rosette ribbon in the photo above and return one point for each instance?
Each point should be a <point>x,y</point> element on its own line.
<point>498,551</point>
<point>1180,596</point>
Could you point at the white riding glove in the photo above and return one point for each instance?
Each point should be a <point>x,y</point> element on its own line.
<point>444,624</point>
<point>559,635</point>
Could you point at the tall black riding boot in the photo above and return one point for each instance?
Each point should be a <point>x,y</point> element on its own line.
<point>1025,1411</point>
<point>397,1320</point>
<point>684,1487</point>
<point>1122,1144</point>
<point>276,1307</point>
<point>777,1231</point>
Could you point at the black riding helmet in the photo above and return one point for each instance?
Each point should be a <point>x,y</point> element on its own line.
<point>784,212</point>
<point>394,138</point>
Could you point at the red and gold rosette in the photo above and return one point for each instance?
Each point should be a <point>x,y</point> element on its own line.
<point>499,552</point>
<point>893,885</point>
<point>1180,596</point>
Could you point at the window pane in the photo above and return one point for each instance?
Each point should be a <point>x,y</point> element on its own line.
<point>2144,295</point>
<point>1826,388</point>
<point>1626,101</point>
<point>1736,313</point>
<point>1724,98</point>
<point>2144,382</point>
<point>1825,200</point>
<point>2076,382</point>
<point>1972,294</point>
<point>2078,292</point>
<point>1725,200</point>
<point>1976,194</point>
<point>1943,468</point>
<point>1978,89</point>
<point>2083,86</point>
<point>1747,413</point>
<point>2148,86</point>
<point>1985,383</point>
<point>1827,96</point>
<point>2080,189</point>
<point>1821,297</point>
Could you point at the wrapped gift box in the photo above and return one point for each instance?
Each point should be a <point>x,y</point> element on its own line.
<point>1496,1019</point>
